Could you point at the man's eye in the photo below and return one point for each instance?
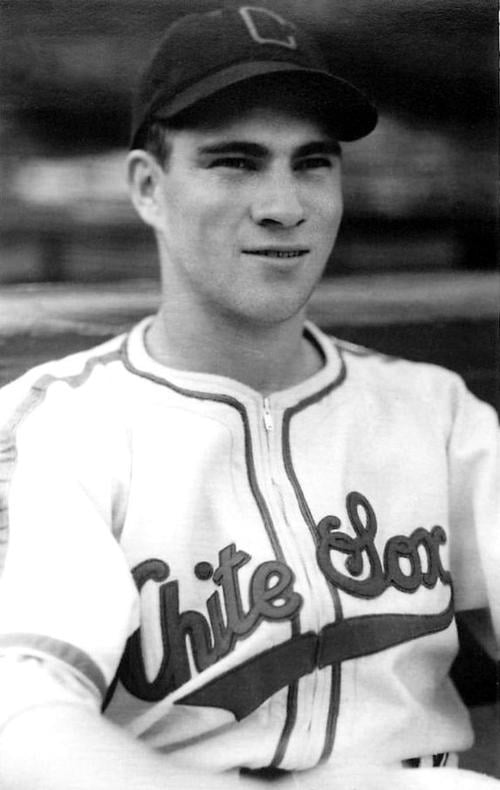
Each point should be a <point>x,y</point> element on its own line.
<point>314,162</point>
<point>234,163</point>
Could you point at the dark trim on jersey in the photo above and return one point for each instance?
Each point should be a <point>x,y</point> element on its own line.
<point>194,740</point>
<point>76,659</point>
<point>108,696</point>
<point>292,700</point>
<point>291,708</point>
<point>226,400</point>
<point>266,774</point>
<point>290,721</point>
<point>412,762</point>
<point>243,689</point>
<point>76,380</point>
<point>315,342</point>
<point>333,712</point>
<point>438,761</point>
<point>71,655</point>
<point>288,463</point>
<point>35,396</point>
<point>38,390</point>
<point>291,714</point>
<point>309,520</point>
<point>363,352</point>
<point>341,641</point>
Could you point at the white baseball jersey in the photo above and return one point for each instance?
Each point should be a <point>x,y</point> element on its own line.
<point>247,581</point>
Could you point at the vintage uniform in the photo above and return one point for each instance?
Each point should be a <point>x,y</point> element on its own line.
<point>244,581</point>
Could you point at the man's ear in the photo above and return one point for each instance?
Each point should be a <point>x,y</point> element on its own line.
<point>143,178</point>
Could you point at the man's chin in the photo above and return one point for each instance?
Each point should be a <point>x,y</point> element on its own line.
<point>272,313</point>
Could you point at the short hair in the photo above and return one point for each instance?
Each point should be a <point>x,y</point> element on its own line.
<point>155,139</point>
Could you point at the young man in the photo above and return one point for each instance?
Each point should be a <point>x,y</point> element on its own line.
<point>229,541</point>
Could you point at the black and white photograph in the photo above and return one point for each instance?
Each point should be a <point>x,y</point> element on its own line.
<point>249,380</point>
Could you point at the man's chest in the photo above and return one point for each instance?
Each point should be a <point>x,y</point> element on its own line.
<point>308,535</point>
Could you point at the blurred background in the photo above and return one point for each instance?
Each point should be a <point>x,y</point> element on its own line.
<point>414,272</point>
<point>414,269</point>
<point>420,191</point>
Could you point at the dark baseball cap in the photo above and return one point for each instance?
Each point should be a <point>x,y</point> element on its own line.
<point>202,54</point>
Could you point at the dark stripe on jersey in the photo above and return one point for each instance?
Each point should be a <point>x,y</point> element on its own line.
<point>362,352</point>
<point>412,762</point>
<point>265,515</point>
<point>8,433</point>
<point>261,503</point>
<point>38,391</point>
<point>239,407</point>
<point>309,520</point>
<point>195,740</point>
<point>438,761</point>
<point>333,711</point>
<point>288,463</point>
<point>287,455</point>
<point>35,644</point>
<point>291,718</point>
<point>265,774</point>
<point>76,380</point>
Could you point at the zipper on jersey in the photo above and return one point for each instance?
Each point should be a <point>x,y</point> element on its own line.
<point>267,416</point>
<point>270,425</point>
<point>305,717</point>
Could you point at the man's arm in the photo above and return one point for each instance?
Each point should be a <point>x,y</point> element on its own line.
<point>68,747</point>
<point>474,464</point>
<point>52,735</point>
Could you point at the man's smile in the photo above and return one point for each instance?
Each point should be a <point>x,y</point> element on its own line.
<point>278,252</point>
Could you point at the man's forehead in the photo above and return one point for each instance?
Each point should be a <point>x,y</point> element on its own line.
<point>265,124</point>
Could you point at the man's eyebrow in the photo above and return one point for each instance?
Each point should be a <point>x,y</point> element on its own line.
<point>328,147</point>
<point>234,146</point>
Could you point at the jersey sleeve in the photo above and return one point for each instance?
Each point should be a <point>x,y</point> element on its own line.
<point>28,682</point>
<point>474,477</point>
<point>66,591</point>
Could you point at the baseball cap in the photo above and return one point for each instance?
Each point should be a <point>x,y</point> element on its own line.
<point>204,53</point>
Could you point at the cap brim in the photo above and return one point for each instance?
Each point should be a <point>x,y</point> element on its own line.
<point>344,107</point>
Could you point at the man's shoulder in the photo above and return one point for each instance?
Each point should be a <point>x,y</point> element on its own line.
<point>376,370</point>
<point>60,382</point>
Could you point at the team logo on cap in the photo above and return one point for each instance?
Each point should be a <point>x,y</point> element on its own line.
<point>266,27</point>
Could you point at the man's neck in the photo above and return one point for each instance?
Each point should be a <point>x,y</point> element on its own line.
<point>266,358</point>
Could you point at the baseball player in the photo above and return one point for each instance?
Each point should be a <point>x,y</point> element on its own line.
<point>233,547</point>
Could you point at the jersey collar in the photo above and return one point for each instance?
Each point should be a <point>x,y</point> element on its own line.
<point>142,363</point>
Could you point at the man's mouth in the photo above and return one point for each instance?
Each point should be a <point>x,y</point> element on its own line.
<point>277,253</point>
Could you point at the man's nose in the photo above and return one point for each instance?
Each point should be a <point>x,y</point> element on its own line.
<point>278,202</point>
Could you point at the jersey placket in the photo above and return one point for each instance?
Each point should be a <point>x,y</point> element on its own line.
<point>306,719</point>
<point>326,695</point>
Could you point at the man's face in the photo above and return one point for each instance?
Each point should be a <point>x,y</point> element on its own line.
<point>249,212</point>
